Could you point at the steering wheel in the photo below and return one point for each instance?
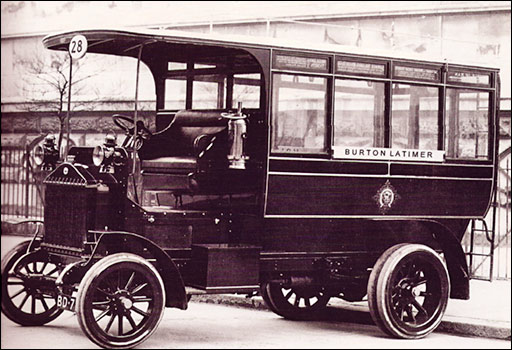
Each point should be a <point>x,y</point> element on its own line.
<point>128,125</point>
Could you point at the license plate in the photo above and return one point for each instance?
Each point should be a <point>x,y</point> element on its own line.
<point>65,302</point>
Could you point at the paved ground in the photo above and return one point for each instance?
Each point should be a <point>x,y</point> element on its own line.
<point>220,326</point>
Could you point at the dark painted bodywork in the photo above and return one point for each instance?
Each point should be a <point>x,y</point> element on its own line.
<point>302,211</point>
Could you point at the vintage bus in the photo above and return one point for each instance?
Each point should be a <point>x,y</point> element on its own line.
<point>301,174</point>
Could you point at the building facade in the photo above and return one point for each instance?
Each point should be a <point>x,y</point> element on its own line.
<point>471,31</point>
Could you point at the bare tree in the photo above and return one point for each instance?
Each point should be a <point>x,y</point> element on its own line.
<point>46,85</point>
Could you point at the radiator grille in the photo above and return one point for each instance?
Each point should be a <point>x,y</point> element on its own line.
<point>68,214</point>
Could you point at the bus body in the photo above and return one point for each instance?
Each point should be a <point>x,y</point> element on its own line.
<point>301,174</point>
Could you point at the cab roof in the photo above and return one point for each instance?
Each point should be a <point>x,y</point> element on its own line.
<point>182,46</point>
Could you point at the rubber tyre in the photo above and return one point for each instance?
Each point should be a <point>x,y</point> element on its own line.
<point>12,309</point>
<point>126,270</point>
<point>393,291</point>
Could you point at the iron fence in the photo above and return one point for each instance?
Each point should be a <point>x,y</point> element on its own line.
<point>21,184</point>
<point>487,242</point>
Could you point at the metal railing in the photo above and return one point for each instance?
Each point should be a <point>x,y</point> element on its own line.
<point>487,242</point>
<point>502,241</point>
<point>21,185</point>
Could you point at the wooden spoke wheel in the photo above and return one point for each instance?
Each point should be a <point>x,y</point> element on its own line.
<point>28,287</point>
<point>408,291</point>
<point>120,301</point>
<point>297,303</point>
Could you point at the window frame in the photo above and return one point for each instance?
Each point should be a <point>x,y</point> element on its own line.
<point>491,116</point>
<point>440,112</point>
<point>388,75</point>
<point>384,111</point>
<point>326,153</point>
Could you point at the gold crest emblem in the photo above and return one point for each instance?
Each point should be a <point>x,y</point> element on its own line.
<point>386,196</point>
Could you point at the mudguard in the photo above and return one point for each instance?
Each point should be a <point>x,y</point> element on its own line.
<point>112,242</point>
<point>455,259</point>
<point>439,236</point>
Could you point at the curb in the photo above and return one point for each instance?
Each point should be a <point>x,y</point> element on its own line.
<point>450,325</point>
<point>359,313</point>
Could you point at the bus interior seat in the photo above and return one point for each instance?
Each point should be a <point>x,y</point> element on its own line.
<point>177,147</point>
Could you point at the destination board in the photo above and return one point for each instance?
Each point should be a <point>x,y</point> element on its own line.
<point>416,73</point>
<point>310,64</point>
<point>371,153</point>
<point>469,78</point>
<point>361,68</point>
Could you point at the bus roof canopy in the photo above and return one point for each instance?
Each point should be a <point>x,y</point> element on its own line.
<point>182,46</point>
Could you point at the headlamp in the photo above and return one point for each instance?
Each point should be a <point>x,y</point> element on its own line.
<point>38,155</point>
<point>105,154</point>
<point>98,155</point>
<point>46,155</point>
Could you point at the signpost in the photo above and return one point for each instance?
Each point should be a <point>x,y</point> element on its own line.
<point>77,49</point>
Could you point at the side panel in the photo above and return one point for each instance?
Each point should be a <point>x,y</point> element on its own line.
<point>353,189</point>
<point>341,235</point>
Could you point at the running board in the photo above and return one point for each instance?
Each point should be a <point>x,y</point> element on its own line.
<point>191,290</point>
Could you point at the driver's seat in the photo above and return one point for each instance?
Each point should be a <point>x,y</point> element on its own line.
<point>192,136</point>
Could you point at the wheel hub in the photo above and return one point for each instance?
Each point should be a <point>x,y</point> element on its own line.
<point>122,301</point>
<point>126,303</point>
<point>407,292</point>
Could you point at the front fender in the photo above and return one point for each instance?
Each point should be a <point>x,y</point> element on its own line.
<point>117,242</point>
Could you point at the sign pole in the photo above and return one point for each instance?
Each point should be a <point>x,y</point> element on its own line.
<point>77,49</point>
<point>68,115</point>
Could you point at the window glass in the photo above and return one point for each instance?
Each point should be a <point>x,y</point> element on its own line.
<point>414,122</point>
<point>299,114</point>
<point>359,113</point>
<point>175,93</point>
<point>467,124</point>
<point>209,91</point>
<point>176,66</point>
<point>246,89</point>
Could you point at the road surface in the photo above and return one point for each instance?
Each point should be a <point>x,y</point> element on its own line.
<point>218,326</point>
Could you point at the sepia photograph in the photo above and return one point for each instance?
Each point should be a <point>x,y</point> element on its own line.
<point>256,174</point>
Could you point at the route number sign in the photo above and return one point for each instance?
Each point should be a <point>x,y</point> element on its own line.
<point>77,47</point>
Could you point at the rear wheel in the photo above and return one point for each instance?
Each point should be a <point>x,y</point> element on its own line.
<point>28,287</point>
<point>120,301</point>
<point>408,291</point>
<point>297,303</point>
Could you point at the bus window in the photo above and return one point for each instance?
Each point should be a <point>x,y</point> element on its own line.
<point>299,114</point>
<point>359,113</point>
<point>467,124</point>
<point>246,89</point>
<point>415,117</point>
<point>175,93</point>
<point>209,91</point>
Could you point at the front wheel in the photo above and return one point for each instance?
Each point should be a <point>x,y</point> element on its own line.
<point>28,286</point>
<point>408,291</point>
<point>120,301</point>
